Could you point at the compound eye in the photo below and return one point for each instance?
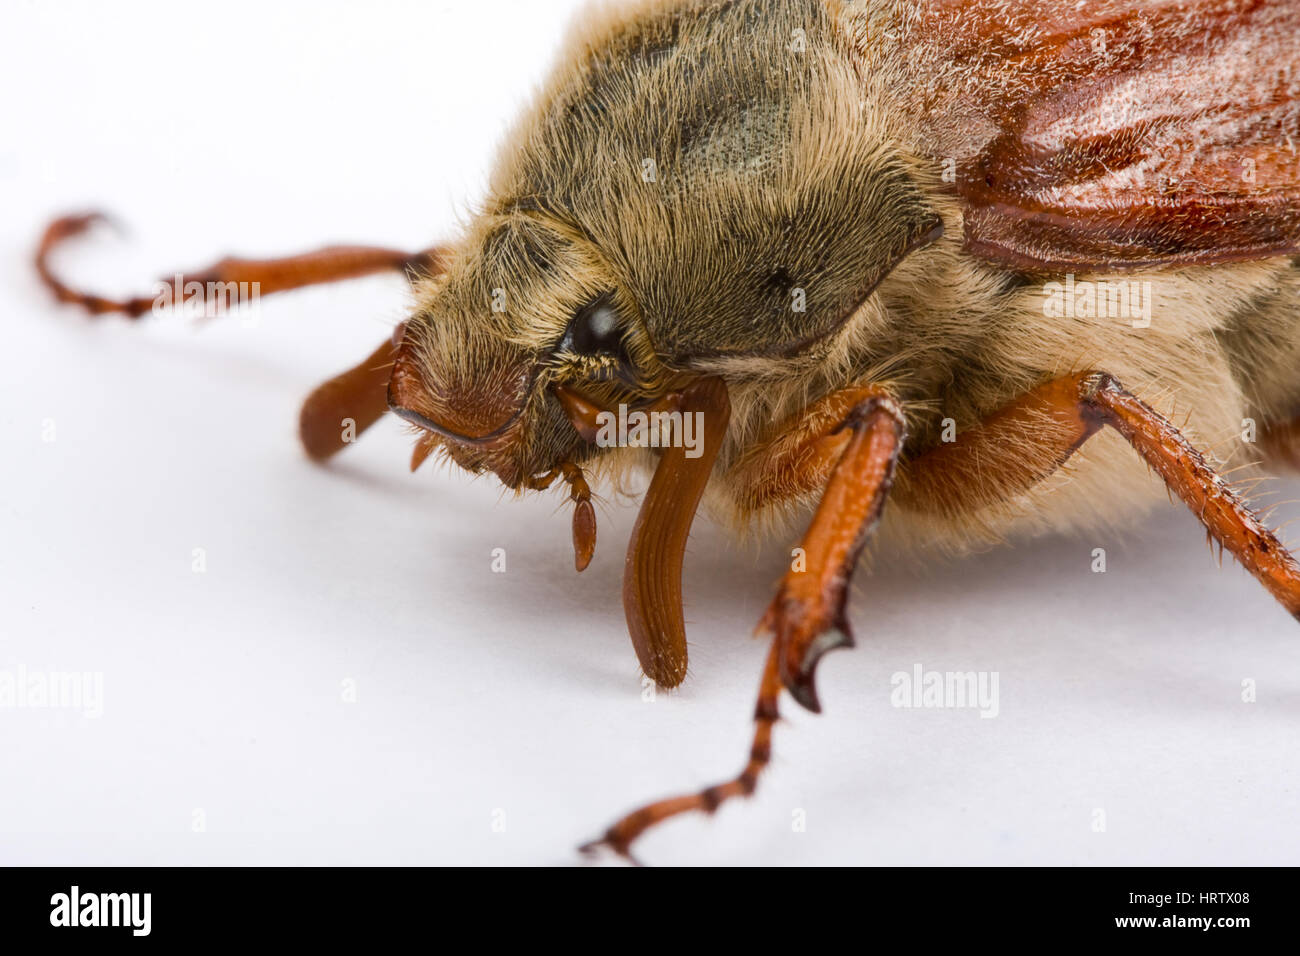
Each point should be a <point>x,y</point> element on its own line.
<point>596,329</point>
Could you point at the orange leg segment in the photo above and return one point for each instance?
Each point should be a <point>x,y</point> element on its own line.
<point>809,604</point>
<point>331,264</point>
<point>336,412</point>
<point>1035,434</point>
<point>807,615</point>
<point>1227,518</point>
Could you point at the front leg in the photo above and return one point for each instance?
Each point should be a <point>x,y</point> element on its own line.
<point>330,264</point>
<point>336,412</point>
<point>807,616</point>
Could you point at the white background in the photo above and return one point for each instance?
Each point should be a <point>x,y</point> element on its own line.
<point>262,129</point>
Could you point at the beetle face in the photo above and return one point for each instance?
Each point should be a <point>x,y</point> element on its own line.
<point>525,306</point>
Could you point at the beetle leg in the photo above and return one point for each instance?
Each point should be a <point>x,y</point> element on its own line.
<point>1035,434</point>
<point>622,834</point>
<point>1227,518</point>
<point>331,264</point>
<point>807,615</point>
<point>809,603</point>
<point>339,410</point>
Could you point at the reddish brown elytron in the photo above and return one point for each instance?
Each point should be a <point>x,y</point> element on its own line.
<point>1129,134</point>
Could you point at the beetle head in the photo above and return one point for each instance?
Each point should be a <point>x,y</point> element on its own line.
<point>526,313</point>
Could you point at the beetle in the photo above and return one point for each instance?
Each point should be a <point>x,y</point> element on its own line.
<point>925,252</point>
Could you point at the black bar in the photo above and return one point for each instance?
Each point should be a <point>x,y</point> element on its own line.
<point>332,905</point>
